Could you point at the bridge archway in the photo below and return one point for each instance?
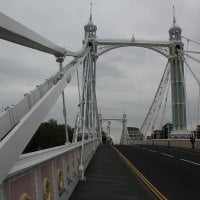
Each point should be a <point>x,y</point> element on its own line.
<point>122,121</point>
<point>170,51</point>
<point>130,97</point>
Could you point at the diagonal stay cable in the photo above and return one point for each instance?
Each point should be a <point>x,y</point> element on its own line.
<point>154,100</point>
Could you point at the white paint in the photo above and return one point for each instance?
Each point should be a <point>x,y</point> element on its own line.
<point>194,163</point>
<point>165,154</point>
<point>153,151</point>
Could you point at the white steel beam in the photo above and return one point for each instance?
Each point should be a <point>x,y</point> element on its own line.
<point>127,42</point>
<point>14,143</point>
<point>13,31</point>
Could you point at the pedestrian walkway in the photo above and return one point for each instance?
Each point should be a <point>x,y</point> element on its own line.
<point>108,177</point>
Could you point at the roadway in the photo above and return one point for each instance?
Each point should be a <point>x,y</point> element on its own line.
<point>175,173</point>
<point>108,177</point>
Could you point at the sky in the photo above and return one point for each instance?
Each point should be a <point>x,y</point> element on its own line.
<point>127,78</point>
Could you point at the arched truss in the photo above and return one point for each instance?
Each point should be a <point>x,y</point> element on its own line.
<point>104,46</point>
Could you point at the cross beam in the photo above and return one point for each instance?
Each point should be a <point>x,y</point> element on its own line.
<point>13,31</point>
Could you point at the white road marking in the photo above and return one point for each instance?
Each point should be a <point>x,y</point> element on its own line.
<point>190,162</point>
<point>152,150</point>
<point>165,154</point>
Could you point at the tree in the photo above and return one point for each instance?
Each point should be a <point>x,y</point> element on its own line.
<point>49,134</point>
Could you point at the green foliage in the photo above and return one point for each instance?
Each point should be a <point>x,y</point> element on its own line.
<point>49,134</point>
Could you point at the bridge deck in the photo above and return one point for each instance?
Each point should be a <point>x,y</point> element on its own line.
<point>108,177</point>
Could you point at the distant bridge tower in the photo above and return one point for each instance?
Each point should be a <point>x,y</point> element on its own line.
<point>125,139</point>
<point>177,78</point>
<point>108,128</point>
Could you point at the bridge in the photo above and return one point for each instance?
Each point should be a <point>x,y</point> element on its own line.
<point>87,169</point>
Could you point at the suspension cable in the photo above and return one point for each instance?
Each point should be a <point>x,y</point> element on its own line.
<point>186,69</point>
<point>165,105</point>
<point>198,82</point>
<point>195,52</point>
<point>191,40</point>
<point>193,74</point>
<point>198,108</point>
<point>152,107</point>
<point>189,56</point>
<point>156,107</point>
<point>79,91</point>
<point>182,59</point>
<point>163,92</point>
<point>157,112</point>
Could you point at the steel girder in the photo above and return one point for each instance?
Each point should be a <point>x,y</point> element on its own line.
<point>104,45</point>
<point>13,31</point>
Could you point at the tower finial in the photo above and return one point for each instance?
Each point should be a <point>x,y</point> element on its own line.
<point>174,18</point>
<point>91,12</point>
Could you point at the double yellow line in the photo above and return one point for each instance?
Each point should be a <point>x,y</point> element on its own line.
<point>134,170</point>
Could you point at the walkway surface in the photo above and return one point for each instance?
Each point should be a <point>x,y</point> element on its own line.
<point>108,177</point>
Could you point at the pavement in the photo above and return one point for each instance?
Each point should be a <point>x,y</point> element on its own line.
<point>175,173</point>
<point>141,172</point>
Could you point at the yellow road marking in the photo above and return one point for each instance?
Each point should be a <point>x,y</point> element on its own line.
<point>134,170</point>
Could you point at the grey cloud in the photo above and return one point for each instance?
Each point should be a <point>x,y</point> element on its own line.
<point>127,78</point>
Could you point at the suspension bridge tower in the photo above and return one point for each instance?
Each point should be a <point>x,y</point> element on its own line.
<point>177,80</point>
<point>89,111</point>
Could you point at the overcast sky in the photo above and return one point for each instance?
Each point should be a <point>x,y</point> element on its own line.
<point>127,78</point>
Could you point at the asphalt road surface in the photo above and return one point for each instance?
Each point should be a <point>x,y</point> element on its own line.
<point>175,173</point>
<point>109,178</point>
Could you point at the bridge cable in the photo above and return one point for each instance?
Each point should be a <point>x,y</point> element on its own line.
<point>159,105</point>
<point>198,43</point>
<point>77,120</point>
<point>198,82</point>
<point>181,55</point>
<point>156,98</point>
<point>83,109</point>
<point>163,92</point>
<point>181,60</point>
<point>79,91</point>
<point>165,105</point>
<point>195,52</point>
<point>198,101</point>
<point>189,56</point>
<point>151,108</point>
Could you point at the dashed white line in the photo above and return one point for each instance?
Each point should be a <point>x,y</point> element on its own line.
<point>165,154</point>
<point>194,163</point>
<point>152,150</point>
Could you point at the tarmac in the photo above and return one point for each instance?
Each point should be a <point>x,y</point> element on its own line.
<point>108,177</point>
